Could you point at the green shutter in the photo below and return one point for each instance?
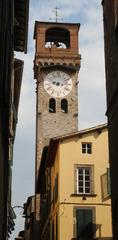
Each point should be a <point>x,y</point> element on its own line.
<point>80,221</point>
<point>84,219</point>
<point>88,216</point>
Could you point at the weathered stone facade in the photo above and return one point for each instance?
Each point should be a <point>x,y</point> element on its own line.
<point>46,60</point>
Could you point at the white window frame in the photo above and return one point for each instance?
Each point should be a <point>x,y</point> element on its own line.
<point>84,181</point>
<point>87,148</point>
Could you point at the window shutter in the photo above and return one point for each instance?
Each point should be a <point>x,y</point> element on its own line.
<point>89,223</point>
<point>88,216</point>
<point>80,221</point>
<point>108,182</point>
<point>84,222</point>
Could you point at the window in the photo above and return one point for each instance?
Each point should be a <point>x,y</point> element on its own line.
<point>52,105</point>
<point>64,106</point>
<point>57,37</point>
<point>84,223</point>
<point>84,180</point>
<point>87,148</point>
<point>105,185</point>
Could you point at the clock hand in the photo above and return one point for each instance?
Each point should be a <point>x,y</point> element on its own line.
<point>66,88</point>
<point>66,79</point>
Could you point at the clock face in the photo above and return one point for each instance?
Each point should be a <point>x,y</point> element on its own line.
<point>58,84</point>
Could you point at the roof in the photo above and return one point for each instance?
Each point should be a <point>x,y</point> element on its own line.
<point>55,141</point>
<point>29,199</point>
<point>81,132</point>
<point>21,25</point>
<point>48,154</point>
<point>21,234</point>
<point>55,24</point>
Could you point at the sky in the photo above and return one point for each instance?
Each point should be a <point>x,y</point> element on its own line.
<point>91,88</point>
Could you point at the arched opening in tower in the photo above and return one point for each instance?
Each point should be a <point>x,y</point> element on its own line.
<point>64,106</point>
<point>52,105</point>
<point>57,38</point>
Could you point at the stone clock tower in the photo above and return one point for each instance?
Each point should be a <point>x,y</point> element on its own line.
<point>56,67</point>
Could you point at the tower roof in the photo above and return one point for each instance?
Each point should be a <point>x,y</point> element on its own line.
<point>57,24</point>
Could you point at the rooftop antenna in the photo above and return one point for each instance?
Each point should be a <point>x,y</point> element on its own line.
<point>56,12</point>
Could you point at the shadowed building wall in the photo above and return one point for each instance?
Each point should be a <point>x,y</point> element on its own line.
<point>13,36</point>
<point>110,18</point>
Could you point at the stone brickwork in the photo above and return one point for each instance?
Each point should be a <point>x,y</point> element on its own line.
<point>55,124</point>
<point>48,124</point>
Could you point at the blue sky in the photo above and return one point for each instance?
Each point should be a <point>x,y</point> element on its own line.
<point>91,89</point>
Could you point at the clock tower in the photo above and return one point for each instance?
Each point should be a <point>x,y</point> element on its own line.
<point>56,68</point>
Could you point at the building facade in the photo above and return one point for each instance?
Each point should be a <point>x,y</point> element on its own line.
<point>110,17</point>
<point>74,187</point>
<point>56,68</point>
<point>13,32</point>
<point>28,214</point>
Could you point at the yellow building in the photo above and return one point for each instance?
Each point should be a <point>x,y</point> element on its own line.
<point>74,186</point>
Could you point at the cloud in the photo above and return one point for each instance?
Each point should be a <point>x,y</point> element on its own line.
<point>92,95</point>
<point>91,76</point>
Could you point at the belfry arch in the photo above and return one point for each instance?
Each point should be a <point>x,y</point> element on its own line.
<point>58,37</point>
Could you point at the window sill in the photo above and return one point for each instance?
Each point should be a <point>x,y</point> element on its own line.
<point>83,195</point>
